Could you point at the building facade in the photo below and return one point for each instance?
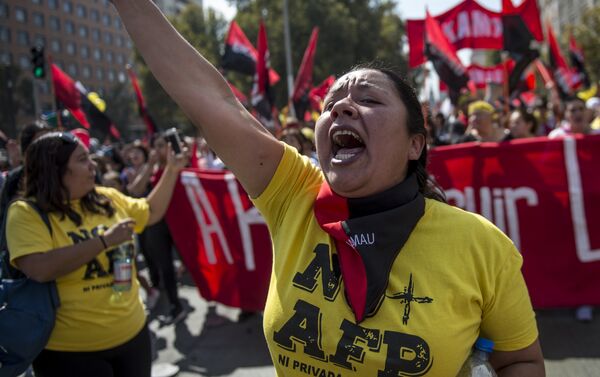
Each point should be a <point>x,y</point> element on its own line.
<point>562,13</point>
<point>85,38</point>
<point>173,7</point>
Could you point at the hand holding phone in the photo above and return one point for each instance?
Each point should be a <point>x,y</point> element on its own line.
<point>172,137</point>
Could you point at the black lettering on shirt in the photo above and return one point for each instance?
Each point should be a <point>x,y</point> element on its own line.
<point>349,348</point>
<point>325,265</point>
<point>407,355</point>
<point>303,327</point>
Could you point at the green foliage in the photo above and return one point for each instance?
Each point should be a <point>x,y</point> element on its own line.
<point>350,32</point>
<point>587,34</point>
<point>121,106</point>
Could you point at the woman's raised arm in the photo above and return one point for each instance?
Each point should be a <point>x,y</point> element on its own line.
<point>249,150</point>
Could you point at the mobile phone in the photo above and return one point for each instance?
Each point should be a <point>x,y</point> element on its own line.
<point>172,137</point>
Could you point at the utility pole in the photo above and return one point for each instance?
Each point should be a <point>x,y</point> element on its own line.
<point>288,58</point>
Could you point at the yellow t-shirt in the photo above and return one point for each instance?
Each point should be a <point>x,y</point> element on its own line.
<point>457,276</point>
<point>91,317</point>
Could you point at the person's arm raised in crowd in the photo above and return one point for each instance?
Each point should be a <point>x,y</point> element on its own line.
<point>160,196</point>
<point>50,265</point>
<point>248,149</point>
<point>139,184</point>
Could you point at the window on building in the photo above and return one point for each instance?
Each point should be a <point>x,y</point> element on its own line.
<point>4,34</point>
<point>119,41</point>
<point>69,27</point>
<point>121,77</point>
<point>38,2</point>
<point>97,54</point>
<point>39,40</point>
<point>83,31</point>
<point>71,48</point>
<point>53,4</point>
<point>72,69</point>
<point>117,23</point>
<point>5,58</point>
<point>24,61</point>
<point>38,19</point>
<point>95,35</point>
<point>120,59</point>
<point>110,75</point>
<point>109,56</point>
<point>94,15</point>
<point>20,14</point>
<point>67,6</point>
<point>54,23</point>
<point>99,73</point>
<point>81,11</point>
<point>3,11</point>
<point>55,45</point>
<point>86,71</point>
<point>108,38</point>
<point>23,38</point>
<point>84,51</point>
<point>44,87</point>
<point>106,19</point>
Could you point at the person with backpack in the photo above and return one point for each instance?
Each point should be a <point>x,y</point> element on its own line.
<point>99,330</point>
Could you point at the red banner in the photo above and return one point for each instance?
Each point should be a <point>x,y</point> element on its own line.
<point>469,25</point>
<point>545,195</point>
<point>482,75</point>
<point>221,238</point>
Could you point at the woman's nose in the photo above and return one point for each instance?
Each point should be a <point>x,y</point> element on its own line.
<point>343,107</point>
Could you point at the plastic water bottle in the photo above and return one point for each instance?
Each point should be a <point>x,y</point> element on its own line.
<point>123,267</point>
<point>477,364</point>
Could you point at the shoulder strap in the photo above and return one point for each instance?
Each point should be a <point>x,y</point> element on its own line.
<point>6,269</point>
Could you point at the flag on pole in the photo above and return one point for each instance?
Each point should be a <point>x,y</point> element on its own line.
<point>151,127</point>
<point>240,55</point>
<point>303,83</point>
<point>318,93</point>
<point>94,108</point>
<point>582,79</point>
<point>561,71</point>
<point>67,94</point>
<point>262,98</point>
<point>444,59</point>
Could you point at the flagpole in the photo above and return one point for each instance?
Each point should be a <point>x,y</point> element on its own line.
<point>288,58</point>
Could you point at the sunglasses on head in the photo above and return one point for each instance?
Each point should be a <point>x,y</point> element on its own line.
<point>67,137</point>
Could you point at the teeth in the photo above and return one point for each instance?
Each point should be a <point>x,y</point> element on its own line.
<point>337,134</point>
<point>343,156</point>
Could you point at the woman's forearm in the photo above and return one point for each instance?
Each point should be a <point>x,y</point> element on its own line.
<point>160,197</point>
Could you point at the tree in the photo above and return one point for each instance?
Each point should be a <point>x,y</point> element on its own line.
<point>16,95</point>
<point>587,33</point>
<point>350,32</point>
<point>120,106</point>
<point>205,33</point>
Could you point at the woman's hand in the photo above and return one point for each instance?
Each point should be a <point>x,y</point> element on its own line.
<point>119,232</point>
<point>176,162</point>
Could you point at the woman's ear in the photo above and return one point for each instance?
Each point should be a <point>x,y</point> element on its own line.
<point>417,143</point>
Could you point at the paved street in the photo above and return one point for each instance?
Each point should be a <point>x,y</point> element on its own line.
<point>571,349</point>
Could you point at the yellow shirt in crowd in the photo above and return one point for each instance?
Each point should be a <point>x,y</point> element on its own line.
<point>456,278</point>
<point>91,317</point>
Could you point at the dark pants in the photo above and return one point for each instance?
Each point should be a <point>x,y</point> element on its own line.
<point>156,244</point>
<point>132,359</point>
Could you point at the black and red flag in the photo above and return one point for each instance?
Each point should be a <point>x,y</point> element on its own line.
<point>318,93</point>
<point>443,56</point>
<point>560,69</point>
<point>151,127</point>
<point>240,55</point>
<point>262,96</point>
<point>581,77</point>
<point>521,32</point>
<point>303,83</point>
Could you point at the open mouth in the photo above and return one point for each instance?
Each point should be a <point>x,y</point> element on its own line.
<point>346,144</point>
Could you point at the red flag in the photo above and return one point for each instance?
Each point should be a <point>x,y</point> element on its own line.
<point>240,55</point>
<point>142,110</point>
<point>562,73</point>
<point>67,93</point>
<point>304,77</point>
<point>318,93</point>
<point>262,100</point>
<point>577,61</point>
<point>443,56</point>
<point>151,127</point>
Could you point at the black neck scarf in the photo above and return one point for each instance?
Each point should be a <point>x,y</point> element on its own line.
<point>369,233</point>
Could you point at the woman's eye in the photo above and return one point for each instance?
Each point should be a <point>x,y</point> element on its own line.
<point>328,106</point>
<point>368,100</point>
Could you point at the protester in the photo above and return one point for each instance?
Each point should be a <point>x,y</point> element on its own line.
<point>593,105</point>
<point>574,120</point>
<point>98,332</point>
<point>294,137</point>
<point>335,303</point>
<point>481,124</point>
<point>522,124</point>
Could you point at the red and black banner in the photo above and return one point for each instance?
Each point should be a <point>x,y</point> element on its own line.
<point>561,72</point>
<point>262,95</point>
<point>444,59</point>
<point>303,83</point>
<point>581,77</point>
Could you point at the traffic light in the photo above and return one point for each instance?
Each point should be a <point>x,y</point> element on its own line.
<point>38,62</point>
